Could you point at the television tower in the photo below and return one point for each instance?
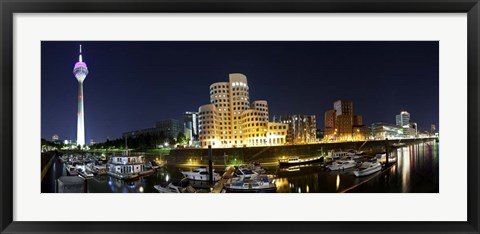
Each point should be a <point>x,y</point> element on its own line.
<point>80,71</point>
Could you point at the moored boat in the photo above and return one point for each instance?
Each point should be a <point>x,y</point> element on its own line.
<point>182,186</point>
<point>126,167</point>
<point>201,174</point>
<point>342,164</point>
<point>368,168</point>
<point>71,169</point>
<point>260,185</point>
<point>296,160</point>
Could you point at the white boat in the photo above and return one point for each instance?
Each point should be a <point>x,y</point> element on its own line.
<point>182,186</point>
<point>71,169</point>
<point>85,174</point>
<point>342,164</point>
<point>244,173</point>
<point>126,167</point>
<point>201,174</point>
<point>367,168</point>
<point>260,185</point>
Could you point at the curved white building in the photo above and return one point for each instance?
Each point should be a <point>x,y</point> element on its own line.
<point>231,120</point>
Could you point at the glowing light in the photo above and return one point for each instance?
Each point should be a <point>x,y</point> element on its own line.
<point>338,181</point>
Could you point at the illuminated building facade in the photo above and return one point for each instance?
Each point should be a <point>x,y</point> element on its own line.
<point>230,120</point>
<point>342,125</point>
<point>302,129</point>
<point>380,131</point>
<point>80,71</point>
<point>403,119</point>
<point>190,126</point>
<point>330,132</point>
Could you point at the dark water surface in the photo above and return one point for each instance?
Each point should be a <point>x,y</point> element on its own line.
<point>416,171</point>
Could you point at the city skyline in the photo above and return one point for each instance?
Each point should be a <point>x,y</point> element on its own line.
<point>135,84</point>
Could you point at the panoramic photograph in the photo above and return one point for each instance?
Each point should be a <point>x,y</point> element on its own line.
<point>239,117</point>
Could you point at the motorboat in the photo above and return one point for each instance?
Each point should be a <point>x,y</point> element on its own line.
<point>368,168</point>
<point>255,167</point>
<point>260,185</point>
<point>201,174</point>
<point>71,169</point>
<point>244,173</point>
<point>296,160</point>
<point>183,186</point>
<point>342,164</point>
<point>84,173</point>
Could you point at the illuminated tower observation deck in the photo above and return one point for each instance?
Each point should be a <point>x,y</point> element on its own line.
<point>80,71</point>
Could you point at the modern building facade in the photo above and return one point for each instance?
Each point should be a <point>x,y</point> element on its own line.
<point>80,71</point>
<point>403,119</point>
<point>302,129</point>
<point>231,120</point>
<point>381,131</point>
<point>190,126</point>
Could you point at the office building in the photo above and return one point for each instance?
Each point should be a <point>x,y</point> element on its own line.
<point>302,129</point>
<point>190,126</point>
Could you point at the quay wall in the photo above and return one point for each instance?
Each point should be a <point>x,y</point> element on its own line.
<point>265,155</point>
<point>46,162</point>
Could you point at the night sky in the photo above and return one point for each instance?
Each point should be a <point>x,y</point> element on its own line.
<point>131,85</point>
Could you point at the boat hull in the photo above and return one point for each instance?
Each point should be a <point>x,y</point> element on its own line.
<point>368,171</point>
<point>252,190</point>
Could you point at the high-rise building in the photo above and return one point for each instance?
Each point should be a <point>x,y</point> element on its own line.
<point>344,119</point>
<point>301,128</point>
<point>80,71</point>
<point>343,107</point>
<point>190,126</point>
<point>341,124</point>
<point>230,120</point>
<point>403,119</point>
<point>329,132</point>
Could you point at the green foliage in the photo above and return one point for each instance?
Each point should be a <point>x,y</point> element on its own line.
<point>181,139</point>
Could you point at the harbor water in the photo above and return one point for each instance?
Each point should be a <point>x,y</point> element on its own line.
<point>415,171</point>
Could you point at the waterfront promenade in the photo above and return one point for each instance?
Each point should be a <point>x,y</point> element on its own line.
<point>271,154</point>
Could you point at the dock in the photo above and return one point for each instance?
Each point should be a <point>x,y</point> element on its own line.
<point>225,177</point>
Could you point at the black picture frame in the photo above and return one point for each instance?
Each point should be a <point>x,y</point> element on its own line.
<point>9,7</point>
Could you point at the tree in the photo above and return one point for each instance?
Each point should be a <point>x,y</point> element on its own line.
<point>181,139</point>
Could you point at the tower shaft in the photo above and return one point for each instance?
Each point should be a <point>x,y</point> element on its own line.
<point>80,116</point>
